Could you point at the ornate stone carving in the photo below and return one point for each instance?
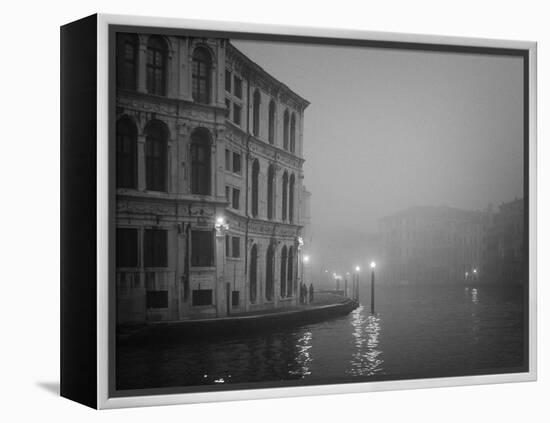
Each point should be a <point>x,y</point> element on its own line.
<point>143,208</point>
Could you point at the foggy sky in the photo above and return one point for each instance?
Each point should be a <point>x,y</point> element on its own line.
<point>389,129</point>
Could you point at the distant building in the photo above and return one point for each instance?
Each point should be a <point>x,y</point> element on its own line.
<point>209,181</point>
<point>504,254</point>
<point>433,245</point>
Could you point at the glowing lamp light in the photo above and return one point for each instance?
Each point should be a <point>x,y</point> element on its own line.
<point>306,259</point>
<point>372,265</point>
<point>221,225</point>
<point>357,269</point>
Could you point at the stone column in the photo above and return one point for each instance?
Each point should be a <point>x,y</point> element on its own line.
<point>184,70</point>
<point>142,64</point>
<point>220,274</point>
<point>141,162</point>
<point>276,276</point>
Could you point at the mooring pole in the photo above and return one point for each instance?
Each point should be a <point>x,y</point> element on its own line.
<point>372,291</point>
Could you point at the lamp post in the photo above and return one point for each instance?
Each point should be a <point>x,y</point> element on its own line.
<point>372,266</point>
<point>356,284</point>
<point>305,261</point>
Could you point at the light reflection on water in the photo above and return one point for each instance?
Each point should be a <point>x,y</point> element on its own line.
<point>303,356</point>
<point>426,330</point>
<point>366,359</point>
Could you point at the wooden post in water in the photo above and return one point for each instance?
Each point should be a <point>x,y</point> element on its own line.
<point>372,288</point>
<point>346,287</point>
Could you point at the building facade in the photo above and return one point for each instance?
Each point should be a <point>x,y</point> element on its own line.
<point>433,245</point>
<point>209,181</point>
<point>504,253</point>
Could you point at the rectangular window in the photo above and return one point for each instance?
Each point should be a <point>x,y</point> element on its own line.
<point>235,200</point>
<point>228,108</point>
<point>227,81</point>
<point>157,299</point>
<point>155,252</point>
<point>126,247</point>
<point>227,246</point>
<point>235,298</point>
<point>235,246</point>
<point>227,159</point>
<point>202,297</point>
<point>236,163</point>
<point>228,193</point>
<point>237,114</point>
<point>238,87</point>
<point>202,248</point>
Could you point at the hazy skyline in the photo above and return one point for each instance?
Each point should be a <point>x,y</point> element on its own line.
<point>389,129</point>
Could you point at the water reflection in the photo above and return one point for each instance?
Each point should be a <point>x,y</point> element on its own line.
<point>303,356</point>
<point>475,300</point>
<point>366,358</point>
<point>426,330</point>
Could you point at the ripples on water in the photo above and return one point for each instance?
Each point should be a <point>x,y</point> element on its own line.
<point>417,331</point>
<point>366,359</point>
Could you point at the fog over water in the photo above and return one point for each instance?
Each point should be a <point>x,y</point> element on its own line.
<point>390,129</point>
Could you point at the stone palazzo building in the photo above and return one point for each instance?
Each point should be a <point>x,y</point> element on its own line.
<point>433,245</point>
<point>209,181</point>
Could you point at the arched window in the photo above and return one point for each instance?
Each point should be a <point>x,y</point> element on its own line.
<point>270,192</point>
<point>255,186</point>
<point>156,140</point>
<point>283,272</point>
<point>201,74</point>
<point>253,286</point>
<point>269,272</point>
<point>200,162</point>
<point>256,114</point>
<point>126,154</point>
<point>271,123</point>
<point>126,66</point>
<point>157,58</point>
<point>285,196</point>
<point>293,133</point>
<point>291,199</point>
<point>290,272</point>
<point>285,130</point>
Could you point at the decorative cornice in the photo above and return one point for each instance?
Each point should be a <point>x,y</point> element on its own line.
<point>270,151</point>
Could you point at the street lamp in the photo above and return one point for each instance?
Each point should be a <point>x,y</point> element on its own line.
<point>372,266</point>
<point>356,283</point>
<point>221,226</point>
<point>305,260</point>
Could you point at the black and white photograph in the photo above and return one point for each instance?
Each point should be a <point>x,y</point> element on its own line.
<point>260,211</point>
<point>294,211</point>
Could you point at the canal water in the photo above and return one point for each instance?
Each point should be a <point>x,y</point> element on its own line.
<point>416,332</point>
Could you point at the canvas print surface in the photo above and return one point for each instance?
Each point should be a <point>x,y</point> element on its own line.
<point>302,212</point>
